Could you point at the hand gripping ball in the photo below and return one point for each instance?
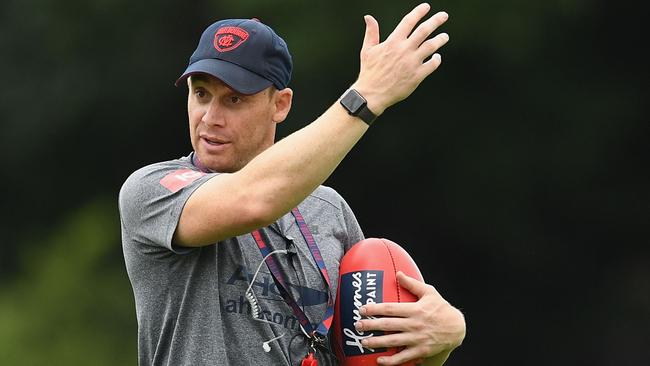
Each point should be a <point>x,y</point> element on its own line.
<point>368,273</point>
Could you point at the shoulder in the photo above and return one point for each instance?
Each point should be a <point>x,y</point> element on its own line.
<point>327,196</point>
<point>157,169</point>
<point>155,173</point>
<point>326,200</point>
<point>158,179</point>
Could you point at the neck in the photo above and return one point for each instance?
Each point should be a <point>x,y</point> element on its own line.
<point>194,158</point>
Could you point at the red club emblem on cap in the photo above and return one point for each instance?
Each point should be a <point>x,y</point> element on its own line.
<point>229,38</point>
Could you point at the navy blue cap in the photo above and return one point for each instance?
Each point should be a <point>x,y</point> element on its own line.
<point>245,54</point>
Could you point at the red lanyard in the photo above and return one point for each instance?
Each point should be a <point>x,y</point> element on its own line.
<point>318,333</point>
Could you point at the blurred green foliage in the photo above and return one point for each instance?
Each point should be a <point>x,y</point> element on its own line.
<point>72,304</point>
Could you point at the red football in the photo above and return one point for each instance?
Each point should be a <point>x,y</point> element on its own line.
<point>368,273</point>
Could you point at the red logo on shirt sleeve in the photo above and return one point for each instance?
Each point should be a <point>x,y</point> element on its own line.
<point>180,179</point>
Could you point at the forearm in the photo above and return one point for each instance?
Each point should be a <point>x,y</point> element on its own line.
<point>272,183</point>
<point>287,172</point>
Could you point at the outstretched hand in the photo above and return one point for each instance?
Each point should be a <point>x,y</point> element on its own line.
<point>391,70</point>
<point>427,329</point>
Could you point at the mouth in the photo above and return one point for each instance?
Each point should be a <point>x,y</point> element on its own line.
<point>213,145</point>
<point>213,141</point>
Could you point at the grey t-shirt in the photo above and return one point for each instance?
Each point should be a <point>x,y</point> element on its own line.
<point>190,302</point>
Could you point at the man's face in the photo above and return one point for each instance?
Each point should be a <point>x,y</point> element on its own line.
<point>229,129</point>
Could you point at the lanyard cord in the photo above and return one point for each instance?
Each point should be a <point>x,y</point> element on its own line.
<point>262,239</point>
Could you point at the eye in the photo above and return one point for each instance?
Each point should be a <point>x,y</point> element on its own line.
<point>234,99</point>
<point>200,93</point>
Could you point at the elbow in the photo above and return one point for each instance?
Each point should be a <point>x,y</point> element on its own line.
<point>197,228</point>
<point>259,214</point>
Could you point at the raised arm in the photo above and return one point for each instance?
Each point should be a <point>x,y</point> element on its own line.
<point>286,173</point>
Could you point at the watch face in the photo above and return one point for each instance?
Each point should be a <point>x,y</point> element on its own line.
<point>353,101</point>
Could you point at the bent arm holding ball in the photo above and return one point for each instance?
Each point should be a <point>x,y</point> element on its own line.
<point>428,329</point>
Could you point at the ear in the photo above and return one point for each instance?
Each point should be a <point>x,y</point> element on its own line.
<point>282,99</point>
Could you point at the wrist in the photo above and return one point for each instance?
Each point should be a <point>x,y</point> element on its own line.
<point>373,99</point>
<point>357,105</point>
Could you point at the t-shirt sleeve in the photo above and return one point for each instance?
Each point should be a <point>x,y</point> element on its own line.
<point>354,232</point>
<point>152,199</point>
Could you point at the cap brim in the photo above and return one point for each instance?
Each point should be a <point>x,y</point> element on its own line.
<point>236,77</point>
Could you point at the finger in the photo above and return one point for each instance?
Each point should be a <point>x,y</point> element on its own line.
<point>430,66</point>
<point>384,324</point>
<point>371,37</point>
<point>432,45</point>
<point>389,309</point>
<point>424,30</point>
<point>414,286</point>
<point>389,340</point>
<point>409,21</point>
<point>401,357</point>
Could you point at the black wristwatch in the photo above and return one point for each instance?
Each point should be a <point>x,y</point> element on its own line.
<point>357,106</point>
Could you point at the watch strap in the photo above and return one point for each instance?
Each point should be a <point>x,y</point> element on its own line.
<point>366,115</point>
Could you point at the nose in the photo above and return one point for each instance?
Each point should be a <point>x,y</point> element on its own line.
<point>214,114</point>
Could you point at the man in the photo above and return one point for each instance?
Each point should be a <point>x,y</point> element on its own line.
<point>222,266</point>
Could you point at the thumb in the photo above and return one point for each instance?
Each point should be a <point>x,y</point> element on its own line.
<point>371,37</point>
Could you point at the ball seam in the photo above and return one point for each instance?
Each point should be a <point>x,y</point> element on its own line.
<point>392,260</point>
